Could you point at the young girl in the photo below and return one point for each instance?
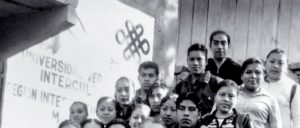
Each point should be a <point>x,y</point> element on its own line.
<point>252,99</point>
<point>168,110</point>
<point>154,96</point>
<point>140,112</point>
<point>225,115</point>
<point>283,88</point>
<point>78,112</point>
<point>106,109</point>
<point>124,94</point>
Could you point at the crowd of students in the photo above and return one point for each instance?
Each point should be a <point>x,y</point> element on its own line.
<point>217,93</point>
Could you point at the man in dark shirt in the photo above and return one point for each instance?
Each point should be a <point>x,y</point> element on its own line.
<point>202,83</point>
<point>221,65</point>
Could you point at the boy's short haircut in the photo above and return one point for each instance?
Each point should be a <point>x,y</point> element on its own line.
<point>188,96</point>
<point>217,32</point>
<point>131,83</point>
<point>197,47</point>
<point>226,83</point>
<point>149,64</point>
<point>117,121</point>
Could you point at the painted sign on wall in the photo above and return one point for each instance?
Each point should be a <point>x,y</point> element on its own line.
<point>80,64</point>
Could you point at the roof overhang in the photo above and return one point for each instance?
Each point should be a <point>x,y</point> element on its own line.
<point>24,23</point>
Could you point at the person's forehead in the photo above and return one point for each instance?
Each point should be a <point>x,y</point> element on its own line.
<point>107,103</point>
<point>280,56</point>
<point>139,112</point>
<point>227,89</point>
<point>254,66</point>
<point>187,103</point>
<point>77,106</point>
<point>148,70</point>
<point>220,36</point>
<point>122,84</point>
<point>196,53</point>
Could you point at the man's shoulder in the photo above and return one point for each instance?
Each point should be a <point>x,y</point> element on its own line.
<point>230,61</point>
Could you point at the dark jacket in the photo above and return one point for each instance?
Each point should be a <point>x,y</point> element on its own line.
<point>205,87</point>
<point>236,120</point>
<point>228,70</point>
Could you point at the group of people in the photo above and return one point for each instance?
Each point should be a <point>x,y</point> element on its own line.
<point>217,93</point>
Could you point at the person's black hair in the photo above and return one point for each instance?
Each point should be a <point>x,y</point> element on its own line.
<point>149,64</point>
<point>218,32</point>
<point>197,47</point>
<point>92,120</point>
<point>251,61</point>
<point>117,121</point>
<point>226,83</point>
<point>188,96</point>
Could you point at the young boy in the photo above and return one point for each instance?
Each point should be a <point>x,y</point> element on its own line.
<point>148,75</point>
<point>124,94</point>
<point>225,116</point>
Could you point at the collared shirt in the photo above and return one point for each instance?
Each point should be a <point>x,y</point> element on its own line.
<point>262,108</point>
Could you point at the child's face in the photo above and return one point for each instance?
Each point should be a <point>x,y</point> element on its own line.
<point>78,113</point>
<point>106,111</point>
<point>138,115</point>
<point>124,92</point>
<point>168,112</point>
<point>155,98</point>
<point>276,65</point>
<point>226,99</point>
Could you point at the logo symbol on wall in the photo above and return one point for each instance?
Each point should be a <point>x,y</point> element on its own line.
<point>132,37</point>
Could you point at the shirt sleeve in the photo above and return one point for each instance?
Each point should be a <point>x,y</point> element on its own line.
<point>295,108</point>
<point>275,117</point>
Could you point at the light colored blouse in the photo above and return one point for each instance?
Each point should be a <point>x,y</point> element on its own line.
<point>281,90</point>
<point>262,108</point>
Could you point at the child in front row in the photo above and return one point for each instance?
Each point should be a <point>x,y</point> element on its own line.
<point>225,115</point>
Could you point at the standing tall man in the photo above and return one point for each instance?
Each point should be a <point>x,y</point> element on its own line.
<point>202,83</point>
<point>221,65</point>
<point>148,75</point>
